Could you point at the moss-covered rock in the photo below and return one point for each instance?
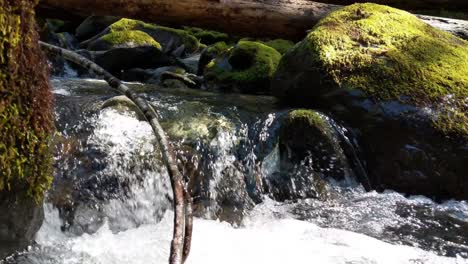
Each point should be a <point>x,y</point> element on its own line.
<point>123,39</point>
<point>309,152</point>
<point>281,45</point>
<point>169,38</point>
<point>246,67</point>
<point>25,126</point>
<point>209,53</point>
<point>399,81</point>
<point>387,54</point>
<point>207,37</point>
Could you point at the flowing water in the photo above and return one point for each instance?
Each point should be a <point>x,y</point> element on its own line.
<point>111,198</point>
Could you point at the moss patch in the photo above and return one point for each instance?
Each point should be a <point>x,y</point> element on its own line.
<point>246,63</point>
<point>124,24</point>
<point>207,37</point>
<point>389,54</point>
<point>312,118</point>
<point>281,45</point>
<point>130,38</point>
<point>25,104</point>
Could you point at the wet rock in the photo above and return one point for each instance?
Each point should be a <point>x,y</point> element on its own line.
<point>123,104</point>
<point>209,53</point>
<point>94,25</point>
<point>19,221</point>
<point>191,63</point>
<point>308,152</point>
<point>399,83</point>
<point>189,80</point>
<point>247,68</point>
<point>119,59</point>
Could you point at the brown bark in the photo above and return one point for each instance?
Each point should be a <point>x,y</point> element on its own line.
<point>182,200</point>
<point>288,19</point>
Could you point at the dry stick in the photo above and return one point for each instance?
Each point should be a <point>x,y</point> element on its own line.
<point>182,205</point>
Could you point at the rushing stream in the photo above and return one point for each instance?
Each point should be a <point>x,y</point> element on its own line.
<point>111,199</point>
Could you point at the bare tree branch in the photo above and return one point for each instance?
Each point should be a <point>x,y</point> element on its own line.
<point>180,246</point>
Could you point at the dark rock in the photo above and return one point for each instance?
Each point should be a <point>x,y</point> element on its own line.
<point>19,222</point>
<point>309,152</point>
<point>94,25</point>
<point>117,60</point>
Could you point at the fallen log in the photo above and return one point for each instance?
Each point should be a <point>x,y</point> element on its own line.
<point>288,19</point>
<point>180,245</point>
<point>452,5</point>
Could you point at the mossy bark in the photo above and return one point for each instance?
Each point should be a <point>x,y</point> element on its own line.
<point>25,125</point>
<point>25,104</point>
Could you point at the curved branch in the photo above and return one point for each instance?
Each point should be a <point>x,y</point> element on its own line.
<point>182,206</point>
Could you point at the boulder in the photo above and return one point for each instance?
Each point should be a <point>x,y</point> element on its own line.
<point>170,39</point>
<point>247,67</point>
<point>209,53</point>
<point>94,25</point>
<point>119,59</point>
<point>123,39</point>
<point>19,221</point>
<point>309,152</point>
<point>207,37</point>
<point>400,83</point>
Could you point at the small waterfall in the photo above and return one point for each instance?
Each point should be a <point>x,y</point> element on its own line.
<point>111,199</point>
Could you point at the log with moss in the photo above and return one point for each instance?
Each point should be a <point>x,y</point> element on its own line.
<point>257,18</point>
<point>25,126</point>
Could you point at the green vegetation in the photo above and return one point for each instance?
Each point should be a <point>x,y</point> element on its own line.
<point>312,118</point>
<point>207,37</point>
<point>249,61</point>
<point>25,105</point>
<point>281,45</point>
<point>156,32</point>
<point>130,37</point>
<point>390,54</point>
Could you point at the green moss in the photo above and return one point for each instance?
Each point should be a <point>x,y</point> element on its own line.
<point>25,105</point>
<point>154,31</point>
<point>218,47</point>
<point>392,55</point>
<point>281,45</point>
<point>313,118</point>
<point>249,61</point>
<point>207,37</point>
<point>134,37</point>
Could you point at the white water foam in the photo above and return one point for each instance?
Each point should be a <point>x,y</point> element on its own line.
<point>261,240</point>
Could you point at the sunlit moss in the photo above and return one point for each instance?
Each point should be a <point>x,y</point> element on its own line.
<point>124,24</point>
<point>130,37</point>
<point>390,54</point>
<point>249,61</point>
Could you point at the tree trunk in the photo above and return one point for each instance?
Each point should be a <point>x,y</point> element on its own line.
<point>25,126</point>
<point>288,19</point>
